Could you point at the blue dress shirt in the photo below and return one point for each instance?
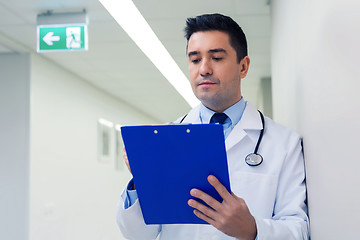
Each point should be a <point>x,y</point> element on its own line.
<point>234,114</point>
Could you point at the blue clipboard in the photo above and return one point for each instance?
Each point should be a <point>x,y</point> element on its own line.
<point>167,161</point>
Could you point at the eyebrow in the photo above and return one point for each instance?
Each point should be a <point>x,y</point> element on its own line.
<point>193,53</point>
<point>215,50</point>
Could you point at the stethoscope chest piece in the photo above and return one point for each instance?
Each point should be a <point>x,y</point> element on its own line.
<point>253,159</point>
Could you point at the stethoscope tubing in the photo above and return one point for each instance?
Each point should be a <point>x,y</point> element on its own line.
<point>248,158</point>
<point>261,132</point>
<point>255,159</point>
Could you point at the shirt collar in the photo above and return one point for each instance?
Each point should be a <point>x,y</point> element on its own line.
<point>234,112</point>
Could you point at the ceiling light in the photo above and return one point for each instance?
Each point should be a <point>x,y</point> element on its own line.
<point>130,19</point>
<point>105,122</point>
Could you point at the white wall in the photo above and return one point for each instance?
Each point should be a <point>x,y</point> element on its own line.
<point>73,195</point>
<point>315,73</point>
<point>14,146</point>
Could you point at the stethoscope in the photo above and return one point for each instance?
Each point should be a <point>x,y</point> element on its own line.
<point>252,159</point>
<point>255,159</point>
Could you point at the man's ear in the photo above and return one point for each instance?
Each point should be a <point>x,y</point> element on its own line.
<point>244,66</point>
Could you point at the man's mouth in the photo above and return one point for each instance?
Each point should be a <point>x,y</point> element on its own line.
<point>206,82</point>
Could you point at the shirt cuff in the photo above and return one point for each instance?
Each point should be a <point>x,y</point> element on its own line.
<point>131,195</point>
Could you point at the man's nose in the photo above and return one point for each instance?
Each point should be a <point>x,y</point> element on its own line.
<point>205,68</point>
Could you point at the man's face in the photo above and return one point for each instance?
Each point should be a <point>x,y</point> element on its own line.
<point>214,72</point>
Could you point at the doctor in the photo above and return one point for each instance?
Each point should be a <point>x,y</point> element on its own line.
<point>268,200</point>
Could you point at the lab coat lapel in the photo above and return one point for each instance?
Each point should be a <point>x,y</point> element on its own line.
<point>250,120</point>
<point>193,116</point>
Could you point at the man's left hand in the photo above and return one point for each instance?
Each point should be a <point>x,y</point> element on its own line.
<point>232,216</point>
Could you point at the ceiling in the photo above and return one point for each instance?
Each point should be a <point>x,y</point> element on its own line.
<point>116,65</point>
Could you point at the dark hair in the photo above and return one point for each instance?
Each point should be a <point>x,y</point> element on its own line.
<point>219,22</point>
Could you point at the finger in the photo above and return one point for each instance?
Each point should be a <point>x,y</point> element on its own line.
<point>204,217</point>
<point>209,212</point>
<point>212,202</point>
<point>240,201</point>
<point>126,161</point>
<point>236,197</point>
<point>221,189</point>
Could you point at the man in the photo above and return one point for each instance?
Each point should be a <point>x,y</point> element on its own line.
<point>268,200</point>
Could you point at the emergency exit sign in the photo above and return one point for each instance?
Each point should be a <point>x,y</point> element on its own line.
<point>61,38</point>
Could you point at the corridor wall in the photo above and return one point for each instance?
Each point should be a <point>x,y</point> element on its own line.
<point>73,194</point>
<point>14,145</point>
<point>315,76</point>
<point>52,183</point>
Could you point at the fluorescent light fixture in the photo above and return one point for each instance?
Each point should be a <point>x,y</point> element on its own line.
<point>130,19</point>
<point>106,122</point>
<point>118,127</point>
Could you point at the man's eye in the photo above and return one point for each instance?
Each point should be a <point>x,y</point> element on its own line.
<point>217,58</point>
<point>195,60</point>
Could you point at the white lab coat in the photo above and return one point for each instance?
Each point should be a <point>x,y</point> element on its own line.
<point>274,191</point>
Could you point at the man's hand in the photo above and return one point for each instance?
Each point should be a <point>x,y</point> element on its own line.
<point>128,166</point>
<point>232,216</point>
<point>126,160</point>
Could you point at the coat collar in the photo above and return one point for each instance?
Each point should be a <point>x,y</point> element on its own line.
<point>250,120</point>
<point>193,116</point>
